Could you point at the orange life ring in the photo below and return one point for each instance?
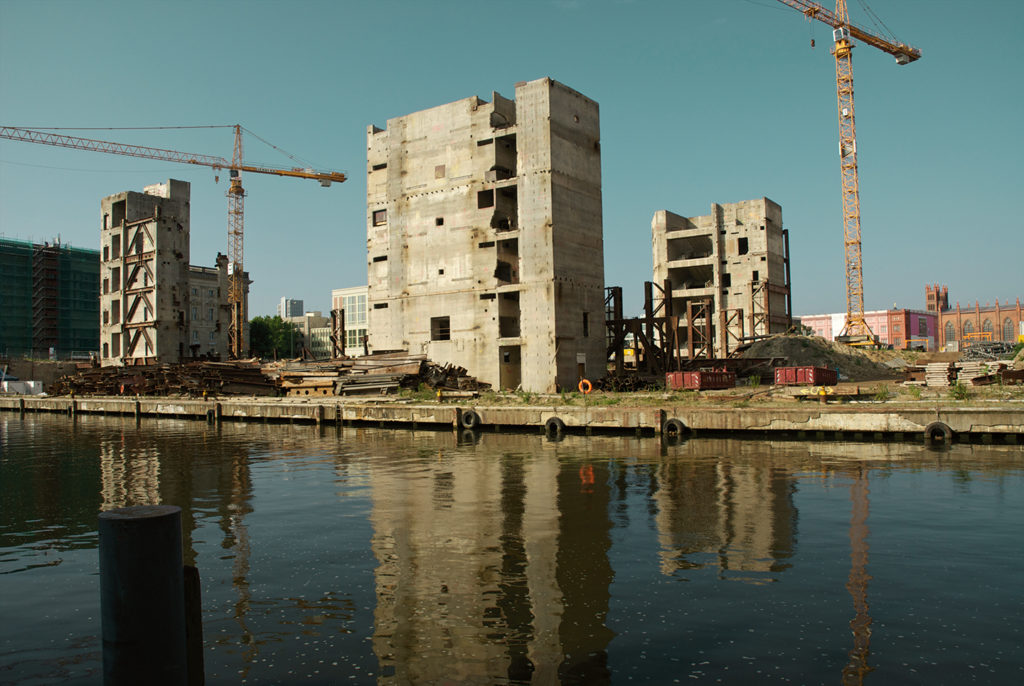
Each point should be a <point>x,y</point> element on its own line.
<point>585,386</point>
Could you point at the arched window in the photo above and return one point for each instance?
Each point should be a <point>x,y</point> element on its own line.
<point>950,332</point>
<point>1008,330</point>
<point>987,325</point>
<point>968,327</point>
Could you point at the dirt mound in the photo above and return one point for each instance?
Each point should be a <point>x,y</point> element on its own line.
<point>854,363</point>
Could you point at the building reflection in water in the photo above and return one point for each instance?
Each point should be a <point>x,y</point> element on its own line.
<point>736,515</point>
<point>498,568</point>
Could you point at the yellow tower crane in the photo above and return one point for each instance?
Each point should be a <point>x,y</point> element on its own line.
<point>236,198</point>
<point>856,329</point>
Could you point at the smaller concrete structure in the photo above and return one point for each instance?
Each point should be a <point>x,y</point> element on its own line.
<point>736,261</point>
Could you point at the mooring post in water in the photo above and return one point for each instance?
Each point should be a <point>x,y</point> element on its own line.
<point>142,596</point>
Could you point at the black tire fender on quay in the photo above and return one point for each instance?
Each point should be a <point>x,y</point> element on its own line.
<point>673,427</point>
<point>554,426</point>
<point>938,432</point>
<point>469,419</point>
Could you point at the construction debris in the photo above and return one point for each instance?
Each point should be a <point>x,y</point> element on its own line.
<point>939,374</point>
<point>191,379</point>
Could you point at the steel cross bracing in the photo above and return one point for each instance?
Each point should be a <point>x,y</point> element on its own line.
<point>843,31</point>
<point>236,198</point>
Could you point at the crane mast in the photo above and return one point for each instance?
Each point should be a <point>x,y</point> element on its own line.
<point>856,329</point>
<point>236,235</point>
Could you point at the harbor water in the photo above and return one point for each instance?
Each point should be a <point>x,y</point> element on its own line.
<point>335,555</point>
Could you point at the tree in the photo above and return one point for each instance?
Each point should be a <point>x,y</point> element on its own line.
<point>273,337</point>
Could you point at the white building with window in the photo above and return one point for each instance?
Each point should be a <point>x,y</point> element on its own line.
<point>353,302</point>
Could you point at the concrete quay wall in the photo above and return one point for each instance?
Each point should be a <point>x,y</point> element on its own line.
<point>845,421</point>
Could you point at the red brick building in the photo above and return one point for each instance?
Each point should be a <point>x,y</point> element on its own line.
<point>999,322</point>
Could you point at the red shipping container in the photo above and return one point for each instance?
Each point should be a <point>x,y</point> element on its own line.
<point>806,376</point>
<point>700,381</point>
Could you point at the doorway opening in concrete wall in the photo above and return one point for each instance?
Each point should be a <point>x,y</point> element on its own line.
<point>510,367</point>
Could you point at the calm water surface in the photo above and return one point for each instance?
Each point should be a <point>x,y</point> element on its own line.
<point>397,557</point>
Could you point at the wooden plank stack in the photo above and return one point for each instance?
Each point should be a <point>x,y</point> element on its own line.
<point>939,374</point>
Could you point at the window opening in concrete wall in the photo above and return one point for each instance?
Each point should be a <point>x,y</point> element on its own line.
<point>490,296</point>
<point>503,271</point>
<point>118,212</point>
<point>485,199</point>
<point>115,247</point>
<point>115,311</point>
<point>106,221</point>
<point>486,244</point>
<point>726,280</point>
<point>106,285</point>
<point>380,306</point>
<point>115,344</point>
<point>743,246</point>
<point>439,221</point>
<point>106,253</point>
<point>378,167</point>
<point>380,258</point>
<point>508,315</point>
<point>689,248</point>
<point>106,350</point>
<point>115,278</point>
<point>106,316</point>
<point>440,272</point>
<point>484,141</point>
<point>754,278</point>
<point>586,324</point>
<point>380,217</point>
<point>510,372</point>
<point>440,329</point>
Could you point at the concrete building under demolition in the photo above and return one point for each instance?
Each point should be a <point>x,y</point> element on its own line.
<point>484,237</point>
<point>155,307</point>
<point>726,275</point>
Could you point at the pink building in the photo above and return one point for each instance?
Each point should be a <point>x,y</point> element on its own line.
<point>893,327</point>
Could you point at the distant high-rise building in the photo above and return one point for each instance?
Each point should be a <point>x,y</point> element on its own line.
<point>289,307</point>
<point>49,299</point>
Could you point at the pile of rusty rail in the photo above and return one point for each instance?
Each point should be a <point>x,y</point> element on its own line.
<point>303,379</point>
<point>377,374</point>
<point>193,379</point>
<point>449,377</point>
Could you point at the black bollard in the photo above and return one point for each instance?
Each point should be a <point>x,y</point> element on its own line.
<point>142,596</point>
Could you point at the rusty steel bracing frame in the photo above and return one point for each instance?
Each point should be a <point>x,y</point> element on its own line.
<point>337,333</point>
<point>730,326</point>
<point>698,321</point>
<point>656,333</point>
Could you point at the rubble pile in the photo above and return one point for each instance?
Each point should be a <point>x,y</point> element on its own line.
<point>189,379</point>
<point>813,351</point>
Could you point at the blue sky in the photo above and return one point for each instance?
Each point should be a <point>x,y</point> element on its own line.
<point>701,101</point>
